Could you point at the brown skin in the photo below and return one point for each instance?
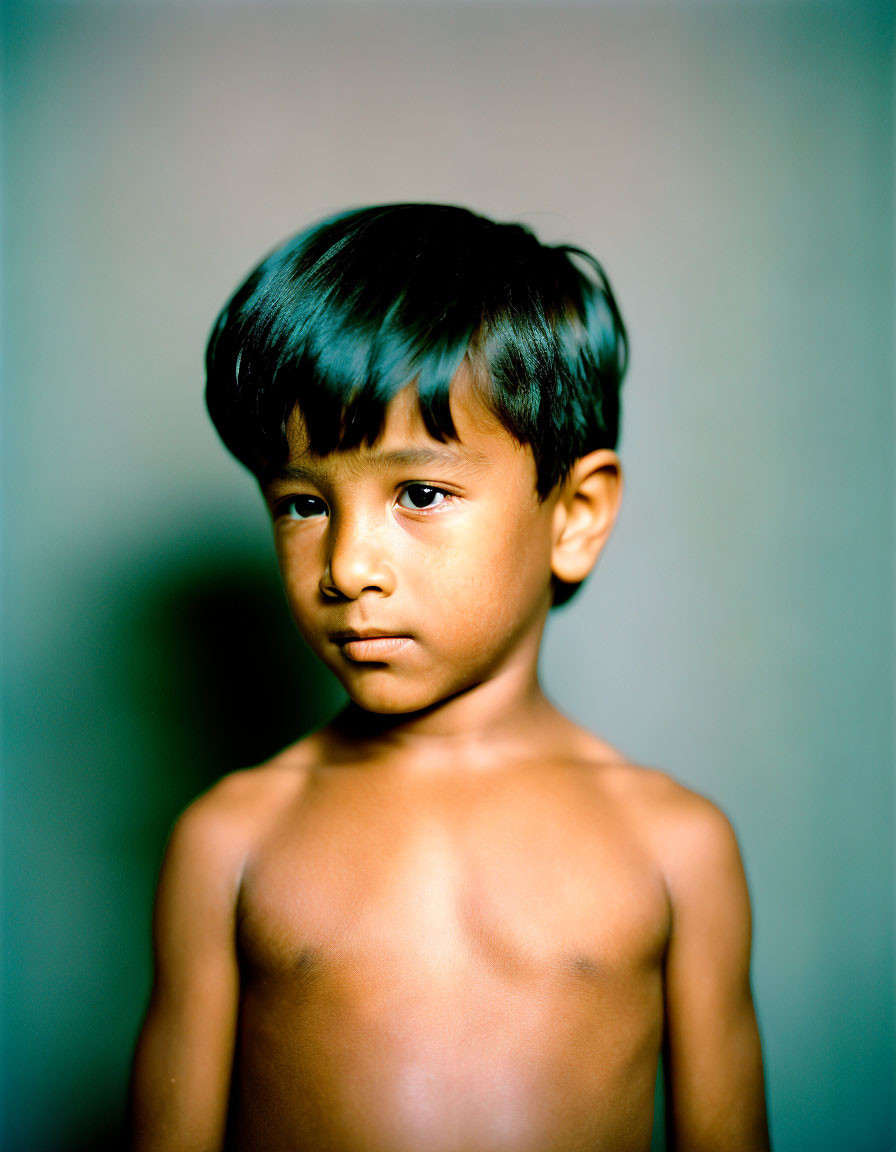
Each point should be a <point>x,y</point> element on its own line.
<point>453,921</point>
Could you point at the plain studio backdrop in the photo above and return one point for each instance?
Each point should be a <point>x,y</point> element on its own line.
<point>732,166</point>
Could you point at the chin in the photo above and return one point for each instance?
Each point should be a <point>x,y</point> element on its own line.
<point>385,696</point>
<point>391,703</point>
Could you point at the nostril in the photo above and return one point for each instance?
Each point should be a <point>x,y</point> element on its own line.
<point>329,587</point>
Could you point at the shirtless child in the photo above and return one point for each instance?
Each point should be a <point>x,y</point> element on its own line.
<point>451,921</point>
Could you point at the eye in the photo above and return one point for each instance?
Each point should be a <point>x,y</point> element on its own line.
<point>421,496</point>
<point>302,508</point>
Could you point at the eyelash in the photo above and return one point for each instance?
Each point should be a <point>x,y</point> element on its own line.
<point>429,488</point>
<point>283,507</point>
<point>319,506</point>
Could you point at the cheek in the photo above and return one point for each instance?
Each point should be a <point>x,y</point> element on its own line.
<point>297,574</point>
<point>492,580</point>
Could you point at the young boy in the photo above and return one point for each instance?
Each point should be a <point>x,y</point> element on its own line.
<point>451,921</point>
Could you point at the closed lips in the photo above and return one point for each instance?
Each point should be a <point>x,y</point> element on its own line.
<point>371,646</point>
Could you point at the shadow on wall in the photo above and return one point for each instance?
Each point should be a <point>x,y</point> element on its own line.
<point>240,683</point>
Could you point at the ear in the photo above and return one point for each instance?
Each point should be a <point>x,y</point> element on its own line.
<point>584,515</point>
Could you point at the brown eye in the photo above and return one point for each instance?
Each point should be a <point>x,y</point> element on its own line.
<point>302,508</point>
<point>421,496</point>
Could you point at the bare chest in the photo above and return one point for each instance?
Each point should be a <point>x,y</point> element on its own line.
<point>514,897</point>
<point>416,969</point>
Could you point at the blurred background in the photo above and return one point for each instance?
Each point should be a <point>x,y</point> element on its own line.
<point>731,164</point>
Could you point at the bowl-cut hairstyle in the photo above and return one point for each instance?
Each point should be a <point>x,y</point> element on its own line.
<point>344,315</point>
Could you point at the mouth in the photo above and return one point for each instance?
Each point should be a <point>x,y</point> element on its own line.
<point>369,645</point>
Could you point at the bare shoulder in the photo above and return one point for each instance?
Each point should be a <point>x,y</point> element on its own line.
<point>690,838</point>
<point>221,827</point>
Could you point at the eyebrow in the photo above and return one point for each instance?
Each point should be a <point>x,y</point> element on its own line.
<point>468,460</point>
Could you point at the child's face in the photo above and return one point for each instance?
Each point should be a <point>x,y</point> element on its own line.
<point>416,569</point>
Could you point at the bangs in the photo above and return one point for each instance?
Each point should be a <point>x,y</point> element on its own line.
<point>337,325</point>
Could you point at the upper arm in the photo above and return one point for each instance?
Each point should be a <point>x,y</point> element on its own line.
<point>182,1066</point>
<point>715,1093</point>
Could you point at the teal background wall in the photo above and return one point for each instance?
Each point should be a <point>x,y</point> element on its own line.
<point>732,165</point>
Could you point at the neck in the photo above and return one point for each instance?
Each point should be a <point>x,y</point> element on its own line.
<point>506,715</point>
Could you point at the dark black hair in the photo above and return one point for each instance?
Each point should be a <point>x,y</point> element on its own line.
<point>344,315</point>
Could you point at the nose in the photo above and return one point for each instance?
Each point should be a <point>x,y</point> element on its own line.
<point>356,559</point>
